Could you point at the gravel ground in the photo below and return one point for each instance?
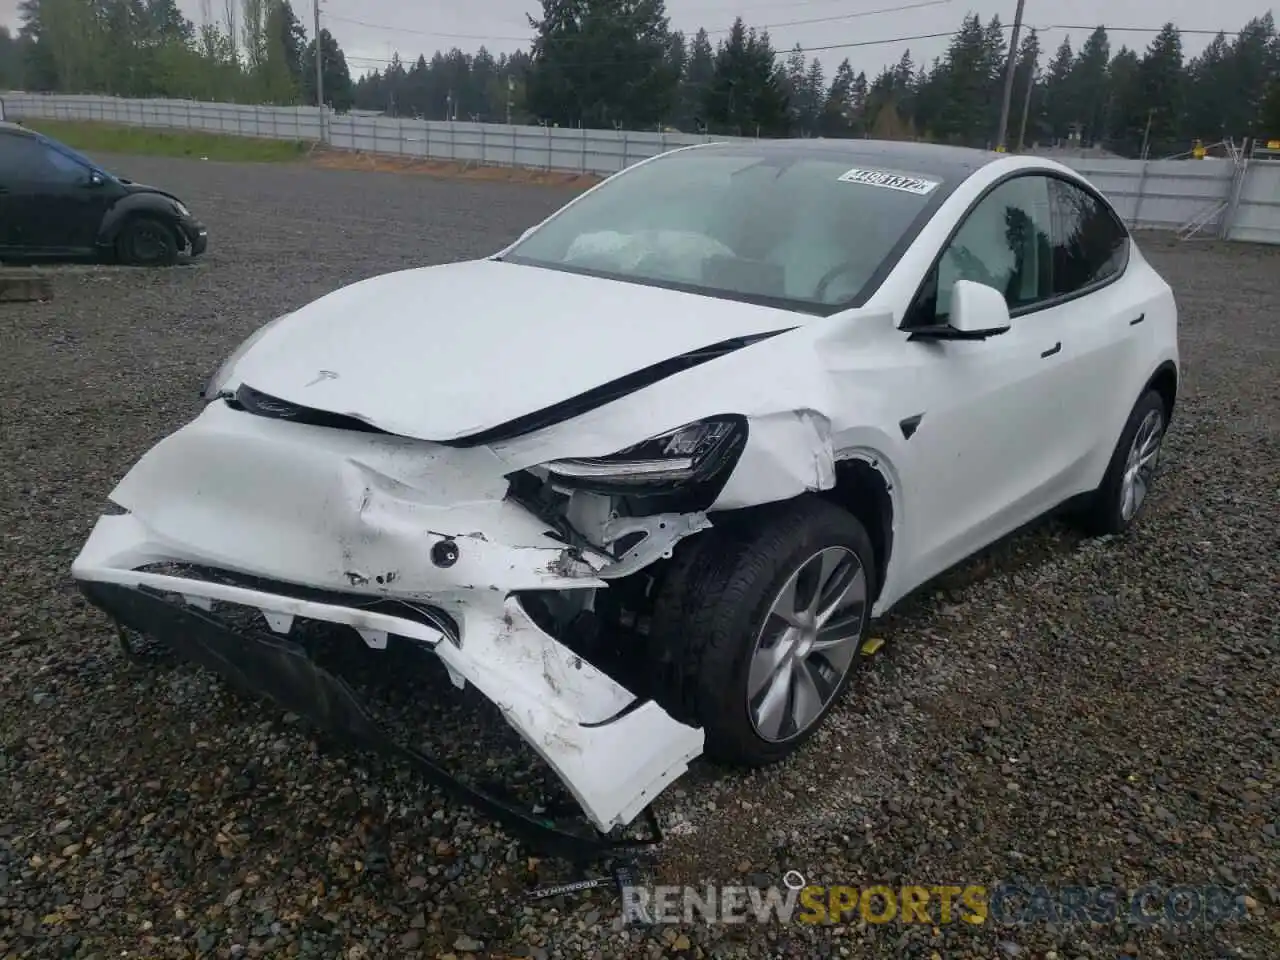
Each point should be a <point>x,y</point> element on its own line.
<point>1056,711</point>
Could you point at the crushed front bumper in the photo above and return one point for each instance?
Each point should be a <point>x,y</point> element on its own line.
<point>196,233</point>
<point>390,538</point>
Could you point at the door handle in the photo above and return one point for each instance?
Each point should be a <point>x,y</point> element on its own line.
<point>1052,350</point>
<point>1137,320</point>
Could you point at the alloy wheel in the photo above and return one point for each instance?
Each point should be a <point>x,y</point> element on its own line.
<point>807,645</point>
<point>1140,465</point>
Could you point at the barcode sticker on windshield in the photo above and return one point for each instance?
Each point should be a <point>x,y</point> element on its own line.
<point>890,181</point>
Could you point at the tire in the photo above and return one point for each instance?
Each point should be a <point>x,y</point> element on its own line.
<point>1108,512</point>
<point>714,610</point>
<point>147,242</point>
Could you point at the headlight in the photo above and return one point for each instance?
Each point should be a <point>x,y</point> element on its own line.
<point>213,388</point>
<point>693,453</point>
<point>181,209</point>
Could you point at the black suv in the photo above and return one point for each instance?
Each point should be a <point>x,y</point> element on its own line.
<point>57,204</point>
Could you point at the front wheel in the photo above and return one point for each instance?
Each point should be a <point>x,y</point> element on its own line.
<point>756,630</point>
<point>147,242</point>
<point>1115,505</point>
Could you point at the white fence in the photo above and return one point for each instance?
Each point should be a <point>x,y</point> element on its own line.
<point>1210,197</point>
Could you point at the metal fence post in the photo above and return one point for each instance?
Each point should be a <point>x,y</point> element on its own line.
<point>1238,177</point>
<point>1137,203</point>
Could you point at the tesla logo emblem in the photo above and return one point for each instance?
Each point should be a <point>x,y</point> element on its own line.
<point>323,375</point>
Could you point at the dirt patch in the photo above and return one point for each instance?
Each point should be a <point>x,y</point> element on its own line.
<point>466,170</point>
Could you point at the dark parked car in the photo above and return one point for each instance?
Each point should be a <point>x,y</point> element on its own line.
<point>57,203</point>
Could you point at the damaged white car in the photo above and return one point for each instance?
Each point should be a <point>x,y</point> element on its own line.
<point>719,411</point>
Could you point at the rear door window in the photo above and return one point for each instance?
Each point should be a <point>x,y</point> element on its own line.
<point>1090,245</point>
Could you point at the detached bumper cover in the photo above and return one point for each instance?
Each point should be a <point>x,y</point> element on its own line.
<point>330,526</point>
<point>269,665</point>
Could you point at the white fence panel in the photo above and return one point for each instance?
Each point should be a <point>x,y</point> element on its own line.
<point>1257,213</point>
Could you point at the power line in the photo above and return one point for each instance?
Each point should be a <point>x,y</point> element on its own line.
<point>427,33</point>
<point>739,8</point>
<point>843,16</point>
<point>829,46</point>
<point>1068,26</point>
<point>857,44</point>
<point>896,8</point>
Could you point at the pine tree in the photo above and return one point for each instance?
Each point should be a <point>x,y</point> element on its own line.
<point>1059,105</point>
<point>602,63</point>
<point>1088,84</point>
<point>1023,112</point>
<point>1254,61</point>
<point>1160,80</point>
<point>842,108</point>
<point>1125,118</point>
<point>748,93</point>
<point>699,68</point>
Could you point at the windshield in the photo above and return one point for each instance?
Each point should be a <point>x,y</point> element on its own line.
<point>798,230</point>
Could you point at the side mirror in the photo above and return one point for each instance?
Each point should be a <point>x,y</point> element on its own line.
<point>96,179</point>
<point>977,312</point>
<point>977,309</point>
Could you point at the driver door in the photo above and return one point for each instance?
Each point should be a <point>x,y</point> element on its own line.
<point>979,463</point>
<point>56,201</point>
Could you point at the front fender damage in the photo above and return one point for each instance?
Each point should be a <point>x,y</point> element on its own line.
<point>787,454</point>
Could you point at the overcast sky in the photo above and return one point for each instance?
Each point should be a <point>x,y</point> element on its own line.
<point>371,30</point>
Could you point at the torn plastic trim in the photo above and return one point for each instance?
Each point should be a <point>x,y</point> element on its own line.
<point>201,593</point>
<point>283,671</point>
<point>394,610</point>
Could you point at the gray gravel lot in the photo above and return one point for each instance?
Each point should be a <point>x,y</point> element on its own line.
<point>1056,711</point>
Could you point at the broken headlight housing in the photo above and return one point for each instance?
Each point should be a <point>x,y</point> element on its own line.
<point>213,389</point>
<point>692,454</point>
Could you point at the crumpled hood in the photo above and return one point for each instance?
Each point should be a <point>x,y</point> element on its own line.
<point>443,352</point>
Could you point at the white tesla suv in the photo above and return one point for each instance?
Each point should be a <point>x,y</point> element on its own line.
<point>645,476</point>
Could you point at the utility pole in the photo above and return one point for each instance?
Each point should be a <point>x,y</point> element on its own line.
<point>1008,77</point>
<point>1026,108</point>
<point>511,92</point>
<point>319,71</point>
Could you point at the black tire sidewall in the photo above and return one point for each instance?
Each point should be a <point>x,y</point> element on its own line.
<point>126,244</point>
<point>767,560</point>
<point>1108,517</point>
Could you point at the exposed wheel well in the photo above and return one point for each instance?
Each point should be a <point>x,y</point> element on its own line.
<point>863,491</point>
<point>1165,382</point>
